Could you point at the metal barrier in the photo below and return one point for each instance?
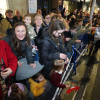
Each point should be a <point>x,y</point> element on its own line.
<point>70,66</point>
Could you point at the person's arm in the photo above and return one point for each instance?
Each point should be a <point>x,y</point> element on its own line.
<point>11,58</point>
<point>56,80</point>
<point>46,51</point>
<point>28,54</point>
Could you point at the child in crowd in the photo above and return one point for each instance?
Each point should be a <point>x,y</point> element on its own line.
<point>32,34</point>
<point>56,72</point>
<point>37,84</point>
<point>30,28</point>
<point>71,38</point>
<point>17,91</point>
<point>47,20</point>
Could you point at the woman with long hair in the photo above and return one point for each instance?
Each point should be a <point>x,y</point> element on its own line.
<point>19,41</point>
<point>17,91</point>
<point>52,46</point>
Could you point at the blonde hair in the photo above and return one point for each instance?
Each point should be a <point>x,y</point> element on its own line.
<point>38,15</point>
<point>58,64</point>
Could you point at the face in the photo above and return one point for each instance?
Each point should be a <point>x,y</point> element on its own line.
<point>39,12</point>
<point>27,20</point>
<point>20,32</point>
<point>80,23</point>
<point>54,19</point>
<point>59,16</point>
<point>58,33</point>
<point>17,13</point>
<point>40,78</point>
<point>9,15</point>
<point>47,19</point>
<point>38,21</point>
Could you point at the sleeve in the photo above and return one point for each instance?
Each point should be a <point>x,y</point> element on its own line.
<point>57,78</point>
<point>79,33</point>
<point>11,58</point>
<point>46,53</point>
<point>28,54</point>
<point>4,25</point>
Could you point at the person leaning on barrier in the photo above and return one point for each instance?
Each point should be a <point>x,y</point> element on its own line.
<point>52,46</point>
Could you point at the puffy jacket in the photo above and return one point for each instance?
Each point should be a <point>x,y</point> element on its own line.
<point>4,25</point>
<point>37,88</point>
<point>10,60</point>
<point>50,51</point>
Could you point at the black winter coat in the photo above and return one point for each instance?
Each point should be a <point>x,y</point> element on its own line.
<point>50,51</point>
<point>26,51</point>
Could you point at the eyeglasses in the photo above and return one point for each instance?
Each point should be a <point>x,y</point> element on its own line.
<point>47,17</point>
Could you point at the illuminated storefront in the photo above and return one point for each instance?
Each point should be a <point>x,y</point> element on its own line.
<point>3,6</point>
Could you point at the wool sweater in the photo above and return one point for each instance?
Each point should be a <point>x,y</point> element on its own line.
<point>55,79</point>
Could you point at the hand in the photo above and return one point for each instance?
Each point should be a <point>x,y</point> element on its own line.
<point>67,60</point>
<point>63,56</point>
<point>66,29</point>
<point>67,39</point>
<point>92,28</point>
<point>67,86</point>
<point>78,41</point>
<point>35,47</point>
<point>0,37</point>
<point>6,72</point>
<point>33,65</point>
<point>19,64</point>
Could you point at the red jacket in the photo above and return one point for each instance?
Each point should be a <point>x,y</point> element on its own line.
<point>10,60</point>
<point>55,79</point>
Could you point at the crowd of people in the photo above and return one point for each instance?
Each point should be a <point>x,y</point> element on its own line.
<point>34,51</point>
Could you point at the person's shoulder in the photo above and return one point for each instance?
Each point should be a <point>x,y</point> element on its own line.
<point>3,43</point>
<point>30,26</point>
<point>15,17</point>
<point>4,20</point>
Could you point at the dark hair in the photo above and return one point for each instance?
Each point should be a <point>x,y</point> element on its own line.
<point>36,76</point>
<point>16,93</point>
<point>38,9</point>
<point>54,17</point>
<point>16,41</point>
<point>56,25</point>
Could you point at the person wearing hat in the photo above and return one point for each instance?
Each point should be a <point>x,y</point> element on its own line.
<point>6,23</point>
